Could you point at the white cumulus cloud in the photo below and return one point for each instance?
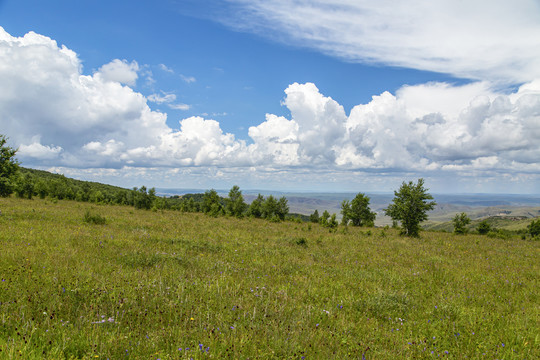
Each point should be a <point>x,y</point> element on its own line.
<point>120,71</point>
<point>60,117</point>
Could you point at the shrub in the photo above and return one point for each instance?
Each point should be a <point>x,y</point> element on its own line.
<point>483,227</point>
<point>460,222</point>
<point>534,228</point>
<point>94,219</point>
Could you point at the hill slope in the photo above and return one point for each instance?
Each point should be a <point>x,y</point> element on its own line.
<point>175,285</point>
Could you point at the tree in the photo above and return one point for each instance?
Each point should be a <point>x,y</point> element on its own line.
<point>410,205</point>
<point>255,208</point>
<point>234,204</point>
<point>25,186</point>
<point>282,208</point>
<point>357,211</point>
<point>460,223</point>
<point>269,207</point>
<point>314,218</point>
<point>483,227</point>
<point>345,212</point>
<point>141,198</point>
<point>9,167</point>
<point>324,217</point>
<point>332,223</point>
<point>534,228</point>
<point>211,204</point>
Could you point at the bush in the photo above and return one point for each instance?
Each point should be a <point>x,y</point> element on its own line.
<point>534,228</point>
<point>460,222</point>
<point>94,219</point>
<point>483,227</point>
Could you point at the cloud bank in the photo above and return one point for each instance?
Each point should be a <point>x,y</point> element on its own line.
<point>494,40</point>
<point>60,117</point>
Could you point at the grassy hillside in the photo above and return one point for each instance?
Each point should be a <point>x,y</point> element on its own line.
<point>173,285</point>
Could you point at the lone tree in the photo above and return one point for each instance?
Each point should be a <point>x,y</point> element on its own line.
<point>357,211</point>
<point>8,167</point>
<point>460,223</point>
<point>409,206</point>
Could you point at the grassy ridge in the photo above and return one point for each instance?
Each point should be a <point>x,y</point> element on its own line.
<point>153,284</point>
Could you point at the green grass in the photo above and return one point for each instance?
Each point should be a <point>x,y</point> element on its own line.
<point>146,284</point>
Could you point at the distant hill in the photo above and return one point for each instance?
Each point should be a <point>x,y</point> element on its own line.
<point>502,222</point>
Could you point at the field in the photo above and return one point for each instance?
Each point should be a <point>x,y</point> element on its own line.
<point>171,285</point>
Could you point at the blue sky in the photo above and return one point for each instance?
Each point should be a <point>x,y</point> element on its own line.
<point>286,95</point>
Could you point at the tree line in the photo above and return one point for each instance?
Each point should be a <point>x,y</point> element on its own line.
<point>408,208</point>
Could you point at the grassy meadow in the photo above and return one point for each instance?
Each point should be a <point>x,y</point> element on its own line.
<point>172,285</point>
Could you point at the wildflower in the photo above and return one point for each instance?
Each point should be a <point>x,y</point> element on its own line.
<point>192,319</point>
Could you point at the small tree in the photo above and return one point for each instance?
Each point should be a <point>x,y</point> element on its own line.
<point>282,208</point>
<point>235,204</point>
<point>483,227</point>
<point>331,223</point>
<point>534,228</point>
<point>358,211</point>
<point>345,212</point>
<point>269,207</point>
<point>8,168</point>
<point>142,199</point>
<point>460,223</point>
<point>314,218</point>
<point>410,205</point>
<point>25,186</point>
<point>255,208</point>
<point>211,204</point>
<point>324,217</point>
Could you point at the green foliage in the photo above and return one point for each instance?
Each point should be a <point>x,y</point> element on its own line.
<point>142,199</point>
<point>25,187</point>
<point>499,234</point>
<point>93,218</point>
<point>410,206</point>
<point>534,228</point>
<point>8,167</point>
<point>256,207</point>
<point>235,204</point>
<point>483,227</point>
<point>275,210</point>
<point>269,207</point>
<point>211,204</point>
<point>460,222</point>
<point>324,218</point>
<point>314,218</point>
<point>357,211</point>
<point>332,223</point>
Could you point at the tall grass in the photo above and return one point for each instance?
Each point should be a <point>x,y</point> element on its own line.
<point>173,285</point>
